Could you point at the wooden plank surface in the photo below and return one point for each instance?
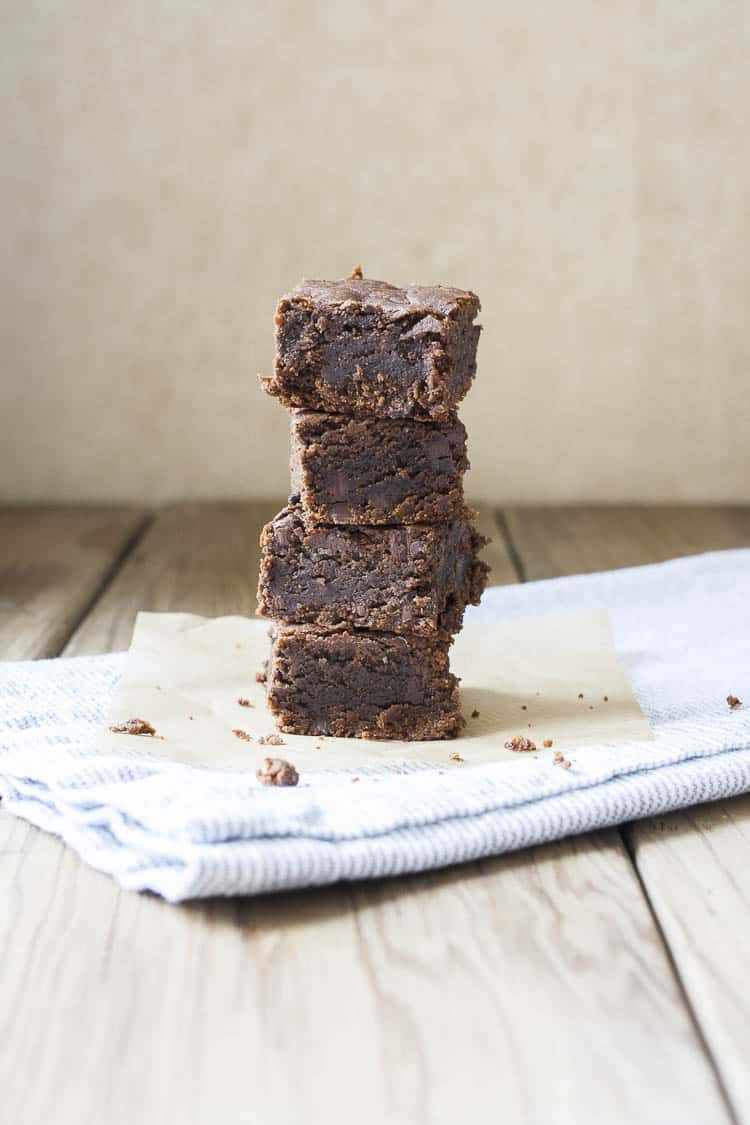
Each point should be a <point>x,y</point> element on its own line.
<point>53,563</point>
<point>552,541</point>
<point>531,988</point>
<point>695,865</point>
<point>195,558</point>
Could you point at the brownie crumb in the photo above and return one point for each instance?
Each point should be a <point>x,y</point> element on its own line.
<point>271,740</point>
<point>733,702</point>
<point>580,695</point>
<point>560,760</point>
<point>591,706</point>
<point>244,702</point>
<point>547,743</point>
<point>475,714</point>
<point>523,706</point>
<point>455,757</point>
<point>261,677</point>
<point>356,274</point>
<point>278,772</point>
<point>243,735</point>
<point>520,744</point>
<point>606,699</point>
<point>135,726</point>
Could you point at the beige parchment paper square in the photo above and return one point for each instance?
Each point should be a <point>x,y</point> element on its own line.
<point>185,674</point>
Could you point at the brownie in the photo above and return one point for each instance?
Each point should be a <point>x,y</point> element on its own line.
<point>364,348</point>
<point>411,579</point>
<point>377,470</point>
<point>362,685</point>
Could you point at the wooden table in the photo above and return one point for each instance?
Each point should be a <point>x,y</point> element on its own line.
<point>601,979</point>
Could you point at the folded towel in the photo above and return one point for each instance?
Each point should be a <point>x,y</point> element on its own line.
<point>682,632</point>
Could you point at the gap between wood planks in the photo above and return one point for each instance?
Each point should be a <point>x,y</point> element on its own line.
<point>109,575</point>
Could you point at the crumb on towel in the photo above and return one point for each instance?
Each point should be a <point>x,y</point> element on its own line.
<point>278,772</point>
<point>135,726</point>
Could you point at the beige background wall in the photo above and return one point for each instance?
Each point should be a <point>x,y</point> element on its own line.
<point>170,167</point>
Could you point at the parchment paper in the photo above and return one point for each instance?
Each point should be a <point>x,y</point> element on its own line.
<point>185,675</point>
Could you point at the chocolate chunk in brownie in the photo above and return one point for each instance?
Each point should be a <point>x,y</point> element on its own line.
<point>364,348</point>
<point>409,579</point>
<point>362,685</point>
<point>377,470</point>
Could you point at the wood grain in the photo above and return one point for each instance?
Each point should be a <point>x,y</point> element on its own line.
<point>553,541</point>
<point>196,558</point>
<point>530,988</point>
<point>694,865</point>
<point>53,563</point>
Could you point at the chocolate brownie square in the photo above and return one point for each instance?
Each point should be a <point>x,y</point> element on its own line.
<point>364,348</point>
<point>411,579</point>
<point>377,470</point>
<point>362,685</point>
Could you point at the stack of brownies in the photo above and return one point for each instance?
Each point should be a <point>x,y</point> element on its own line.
<point>369,568</point>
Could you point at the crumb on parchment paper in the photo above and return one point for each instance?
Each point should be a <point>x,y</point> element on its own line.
<point>271,740</point>
<point>245,702</point>
<point>520,744</point>
<point>733,702</point>
<point>455,757</point>
<point>560,760</point>
<point>547,743</point>
<point>242,735</point>
<point>278,772</point>
<point>135,726</point>
<point>475,714</point>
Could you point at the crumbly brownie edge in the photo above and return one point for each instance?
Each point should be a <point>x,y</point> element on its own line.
<point>346,471</point>
<point>414,580</point>
<point>318,362</point>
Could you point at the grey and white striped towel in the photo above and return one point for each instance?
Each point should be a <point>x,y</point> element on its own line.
<point>682,631</point>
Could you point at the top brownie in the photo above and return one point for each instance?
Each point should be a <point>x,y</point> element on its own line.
<point>363,348</point>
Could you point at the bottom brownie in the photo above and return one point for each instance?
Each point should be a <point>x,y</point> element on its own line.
<point>362,685</point>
